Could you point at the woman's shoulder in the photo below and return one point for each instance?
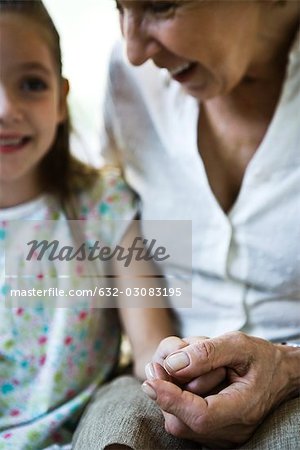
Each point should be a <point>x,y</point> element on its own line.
<point>109,197</point>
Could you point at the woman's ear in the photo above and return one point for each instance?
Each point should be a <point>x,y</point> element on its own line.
<point>64,91</point>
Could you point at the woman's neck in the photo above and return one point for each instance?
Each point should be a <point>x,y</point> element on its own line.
<point>253,101</point>
<point>279,26</point>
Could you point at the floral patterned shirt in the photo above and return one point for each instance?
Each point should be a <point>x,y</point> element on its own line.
<point>53,358</point>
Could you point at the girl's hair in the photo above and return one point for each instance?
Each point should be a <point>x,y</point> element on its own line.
<point>61,173</point>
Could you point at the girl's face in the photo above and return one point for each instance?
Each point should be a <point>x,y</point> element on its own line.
<point>32,100</point>
<point>206,45</point>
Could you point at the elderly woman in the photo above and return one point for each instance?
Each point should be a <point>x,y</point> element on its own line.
<point>207,129</point>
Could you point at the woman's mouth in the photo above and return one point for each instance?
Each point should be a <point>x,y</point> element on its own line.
<point>10,144</point>
<point>183,73</point>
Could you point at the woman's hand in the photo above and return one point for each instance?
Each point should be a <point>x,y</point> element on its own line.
<point>260,375</point>
<point>159,369</point>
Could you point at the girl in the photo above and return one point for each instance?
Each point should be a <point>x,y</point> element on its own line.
<point>51,359</point>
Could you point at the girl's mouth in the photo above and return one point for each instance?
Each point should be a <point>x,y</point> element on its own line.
<point>10,144</point>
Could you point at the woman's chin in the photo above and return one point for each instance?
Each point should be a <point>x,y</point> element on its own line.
<point>203,91</point>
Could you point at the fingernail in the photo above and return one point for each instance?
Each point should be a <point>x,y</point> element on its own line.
<point>150,372</point>
<point>177,361</point>
<point>147,389</point>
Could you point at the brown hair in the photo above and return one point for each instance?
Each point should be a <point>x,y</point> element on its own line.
<point>61,173</point>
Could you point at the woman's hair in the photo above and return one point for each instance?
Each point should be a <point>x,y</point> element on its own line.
<point>61,173</point>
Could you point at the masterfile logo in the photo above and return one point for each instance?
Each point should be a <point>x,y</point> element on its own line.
<point>139,250</point>
<point>59,263</point>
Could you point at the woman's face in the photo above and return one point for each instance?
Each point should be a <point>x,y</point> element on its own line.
<point>206,45</point>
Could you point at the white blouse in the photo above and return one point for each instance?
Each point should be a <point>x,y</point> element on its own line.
<point>246,264</point>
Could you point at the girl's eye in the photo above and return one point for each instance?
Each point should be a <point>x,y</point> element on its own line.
<point>34,85</point>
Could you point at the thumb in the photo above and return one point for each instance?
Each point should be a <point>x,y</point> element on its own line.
<point>171,399</point>
<point>204,356</point>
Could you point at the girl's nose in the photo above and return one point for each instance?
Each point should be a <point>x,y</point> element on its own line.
<point>140,44</point>
<point>10,111</point>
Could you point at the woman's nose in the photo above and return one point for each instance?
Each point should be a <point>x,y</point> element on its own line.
<point>10,111</point>
<point>140,44</point>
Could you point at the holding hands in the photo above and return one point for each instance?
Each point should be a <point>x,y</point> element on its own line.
<point>217,391</point>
